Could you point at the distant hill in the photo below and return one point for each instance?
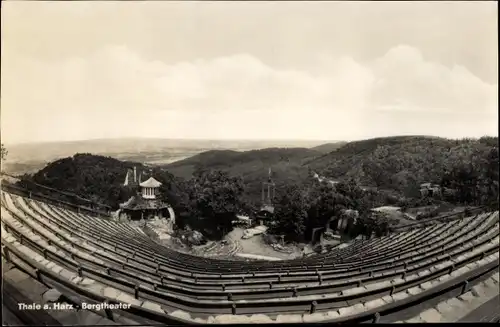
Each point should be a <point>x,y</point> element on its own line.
<point>397,164</point>
<point>100,178</point>
<point>234,160</point>
<point>402,162</point>
<point>329,147</point>
<point>24,167</point>
<point>287,166</point>
<point>31,157</point>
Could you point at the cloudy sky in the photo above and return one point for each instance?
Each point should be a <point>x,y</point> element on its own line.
<point>254,70</point>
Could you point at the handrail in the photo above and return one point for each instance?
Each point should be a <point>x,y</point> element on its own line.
<point>204,304</point>
<point>76,196</point>
<point>369,315</point>
<point>68,205</point>
<point>455,283</point>
<point>67,287</point>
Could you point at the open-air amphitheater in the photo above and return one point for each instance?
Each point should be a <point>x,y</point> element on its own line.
<point>436,272</point>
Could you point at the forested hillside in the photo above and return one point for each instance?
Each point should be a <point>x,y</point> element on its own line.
<point>329,147</point>
<point>397,164</point>
<point>206,201</point>
<point>206,190</point>
<point>403,163</point>
<point>93,177</point>
<point>287,166</point>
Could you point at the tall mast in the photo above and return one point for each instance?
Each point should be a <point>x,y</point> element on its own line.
<point>268,190</point>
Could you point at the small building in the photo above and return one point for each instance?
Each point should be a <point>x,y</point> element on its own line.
<point>242,220</point>
<point>430,190</point>
<point>390,212</point>
<point>265,214</point>
<point>347,219</point>
<point>146,204</point>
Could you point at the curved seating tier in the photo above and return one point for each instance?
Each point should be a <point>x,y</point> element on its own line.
<point>116,262</point>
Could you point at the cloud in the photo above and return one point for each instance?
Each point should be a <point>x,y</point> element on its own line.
<point>120,87</point>
<point>408,80</point>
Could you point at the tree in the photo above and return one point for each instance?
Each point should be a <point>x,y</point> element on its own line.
<point>472,179</point>
<point>172,189</point>
<point>301,209</point>
<point>377,167</point>
<point>213,199</point>
<point>327,203</point>
<point>88,176</point>
<point>369,223</point>
<point>290,213</point>
<point>4,152</point>
<point>490,178</point>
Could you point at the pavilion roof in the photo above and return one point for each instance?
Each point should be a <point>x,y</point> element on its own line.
<point>267,208</point>
<point>151,182</point>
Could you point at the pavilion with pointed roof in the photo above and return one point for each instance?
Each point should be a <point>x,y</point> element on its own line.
<point>145,204</point>
<point>149,188</point>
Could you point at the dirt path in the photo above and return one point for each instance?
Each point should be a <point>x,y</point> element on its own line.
<point>256,245</point>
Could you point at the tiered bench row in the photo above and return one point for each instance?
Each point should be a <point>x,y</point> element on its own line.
<point>102,260</point>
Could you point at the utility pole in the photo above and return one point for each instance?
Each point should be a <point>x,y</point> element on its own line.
<point>270,187</point>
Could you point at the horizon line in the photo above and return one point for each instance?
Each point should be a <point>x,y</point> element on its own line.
<point>236,139</point>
